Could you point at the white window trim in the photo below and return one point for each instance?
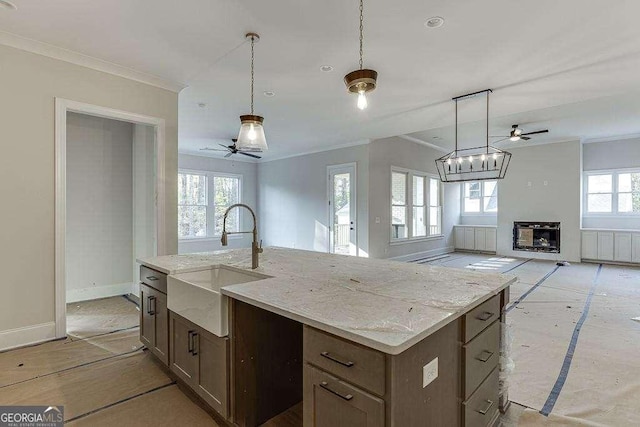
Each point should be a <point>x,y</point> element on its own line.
<point>482,196</point>
<point>409,206</point>
<point>614,194</point>
<point>211,236</point>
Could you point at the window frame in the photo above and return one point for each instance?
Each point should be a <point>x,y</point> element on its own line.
<point>614,213</point>
<point>211,206</point>
<point>409,206</point>
<point>481,212</point>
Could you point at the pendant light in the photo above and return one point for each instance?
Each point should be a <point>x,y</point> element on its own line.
<point>251,136</point>
<point>362,80</point>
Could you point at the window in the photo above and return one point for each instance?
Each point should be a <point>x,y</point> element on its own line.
<point>203,197</point>
<point>418,215</point>
<point>480,197</point>
<point>616,192</point>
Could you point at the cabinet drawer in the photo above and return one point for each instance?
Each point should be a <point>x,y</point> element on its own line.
<point>153,278</point>
<point>481,357</point>
<point>481,409</point>
<point>480,317</point>
<point>329,402</point>
<point>359,365</point>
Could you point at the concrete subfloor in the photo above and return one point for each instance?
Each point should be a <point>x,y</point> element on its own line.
<point>104,377</point>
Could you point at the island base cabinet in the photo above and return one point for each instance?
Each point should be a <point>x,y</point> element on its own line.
<point>481,409</point>
<point>154,324</point>
<point>200,360</point>
<point>329,402</point>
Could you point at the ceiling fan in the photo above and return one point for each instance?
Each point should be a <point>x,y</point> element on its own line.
<point>231,150</point>
<point>516,134</point>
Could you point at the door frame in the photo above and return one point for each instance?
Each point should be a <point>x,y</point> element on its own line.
<point>330,170</point>
<point>62,107</point>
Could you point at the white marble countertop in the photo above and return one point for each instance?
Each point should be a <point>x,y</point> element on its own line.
<point>382,304</point>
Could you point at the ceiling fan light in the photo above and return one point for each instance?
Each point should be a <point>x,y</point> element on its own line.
<point>251,136</point>
<point>514,138</point>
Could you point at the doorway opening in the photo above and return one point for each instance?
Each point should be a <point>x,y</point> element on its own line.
<point>343,233</point>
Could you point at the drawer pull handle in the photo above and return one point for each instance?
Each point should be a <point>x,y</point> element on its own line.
<point>484,356</point>
<point>325,386</point>
<point>151,303</point>
<point>327,355</point>
<point>485,410</point>
<point>190,341</point>
<point>152,278</point>
<point>195,346</point>
<point>485,316</point>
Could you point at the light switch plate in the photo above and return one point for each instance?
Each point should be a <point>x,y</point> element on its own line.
<point>429,372</point>
<point>377,220</point>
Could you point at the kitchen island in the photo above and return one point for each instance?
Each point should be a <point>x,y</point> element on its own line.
<point>360,341</point>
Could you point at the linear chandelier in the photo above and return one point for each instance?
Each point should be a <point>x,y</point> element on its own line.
<point>473,164</point>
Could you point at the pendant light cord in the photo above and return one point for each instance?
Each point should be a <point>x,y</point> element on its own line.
<point>252,43</point>
<point>361,29</point>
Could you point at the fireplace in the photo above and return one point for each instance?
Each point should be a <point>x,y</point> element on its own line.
<point>536,236</point>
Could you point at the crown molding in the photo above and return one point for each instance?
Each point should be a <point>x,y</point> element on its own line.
<point>321,150</point>
<point>422,142</point>
<point>611,138</point>
<point>233,158</point>
<point>55,52</point>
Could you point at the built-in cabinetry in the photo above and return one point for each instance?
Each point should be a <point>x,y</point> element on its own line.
<point>611,245</point>
<point>154,319</point>
<point>475,238</point>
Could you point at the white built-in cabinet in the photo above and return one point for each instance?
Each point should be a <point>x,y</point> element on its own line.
<point>611,245</point>
<point>475,238</point>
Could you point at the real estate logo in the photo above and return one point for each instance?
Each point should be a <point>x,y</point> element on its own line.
<point>31,416</point>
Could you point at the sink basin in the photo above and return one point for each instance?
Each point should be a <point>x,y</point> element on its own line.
<point>196,295</point>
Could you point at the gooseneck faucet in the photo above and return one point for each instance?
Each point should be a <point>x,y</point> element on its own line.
<point>255,248</point>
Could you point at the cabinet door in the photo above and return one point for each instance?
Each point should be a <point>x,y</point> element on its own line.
<point>469,238</point>
<point>622,251</point>
<point>480,239</point>
<point>147,321</point>
<point>329,402</point>
<point>183,355</point>
<point>213,382</point>
<point>590,245</point>
<point>161,327</point>
<point>635,249</point>
<point>490,242</point>
<point>605,245</point>
<point>459,243</point>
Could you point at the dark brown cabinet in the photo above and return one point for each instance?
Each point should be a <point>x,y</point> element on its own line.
<point>154,322</point>
<point>200,360</point>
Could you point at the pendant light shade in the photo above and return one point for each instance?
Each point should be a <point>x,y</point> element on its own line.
<point>251,136</point>
<point>361,81</point>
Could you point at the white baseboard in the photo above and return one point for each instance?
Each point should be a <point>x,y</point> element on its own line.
<point>21,337</point>
<point>424,254</point>
<point>96,292</point>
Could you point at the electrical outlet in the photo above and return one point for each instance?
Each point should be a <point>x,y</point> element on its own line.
<point>429,372</point>
<point>377,220</point>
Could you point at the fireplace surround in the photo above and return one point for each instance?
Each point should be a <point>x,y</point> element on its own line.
<point>536,236</point>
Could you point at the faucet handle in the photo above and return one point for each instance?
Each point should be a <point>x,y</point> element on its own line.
<point>260,250</point>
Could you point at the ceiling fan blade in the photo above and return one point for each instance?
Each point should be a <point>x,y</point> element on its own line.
<point>500,140</point>
<point>536,132</point>
<point>229,154</point>
<point>249,154</point>
<point>525,138</point>
<point>228,147</point>
<point>211,149</point>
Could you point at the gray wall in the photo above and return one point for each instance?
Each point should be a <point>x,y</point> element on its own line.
<point>523,196</point>
<point>99,207</point>
<point>611,155</point>
<point>293,204</point>
<point>478,219</point>
<point>249,196</point>
<point>388,152</point>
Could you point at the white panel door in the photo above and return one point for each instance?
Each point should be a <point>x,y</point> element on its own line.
<point>635,247</point>
<point>480,239</point>
<point>343,238</point>
<point>590,245</point>
<point>490,242</point>
<point>622,251</point>
<point>459,237</point>
<point>469,238</point>
<point>605,245</point>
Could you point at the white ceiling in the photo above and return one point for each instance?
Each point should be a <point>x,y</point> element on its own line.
<point>551,63</point>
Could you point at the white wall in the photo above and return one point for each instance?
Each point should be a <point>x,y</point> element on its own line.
<point>388,152</point>
<point>248,170</point>
<point>523,196</point>
<point>29,85</point>
<point>611,155</point>
<point>468,219</point>
<point>99,207</point>
<point>292,201</point>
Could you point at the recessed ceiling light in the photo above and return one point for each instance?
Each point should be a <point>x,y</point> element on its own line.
<point>269,93</point>
<point>4,4</point>
<point>434,22</point>
<point>326,68</point>
<point>201,104</point>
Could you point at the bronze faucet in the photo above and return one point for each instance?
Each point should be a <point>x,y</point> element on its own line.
<point>255,248</point>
